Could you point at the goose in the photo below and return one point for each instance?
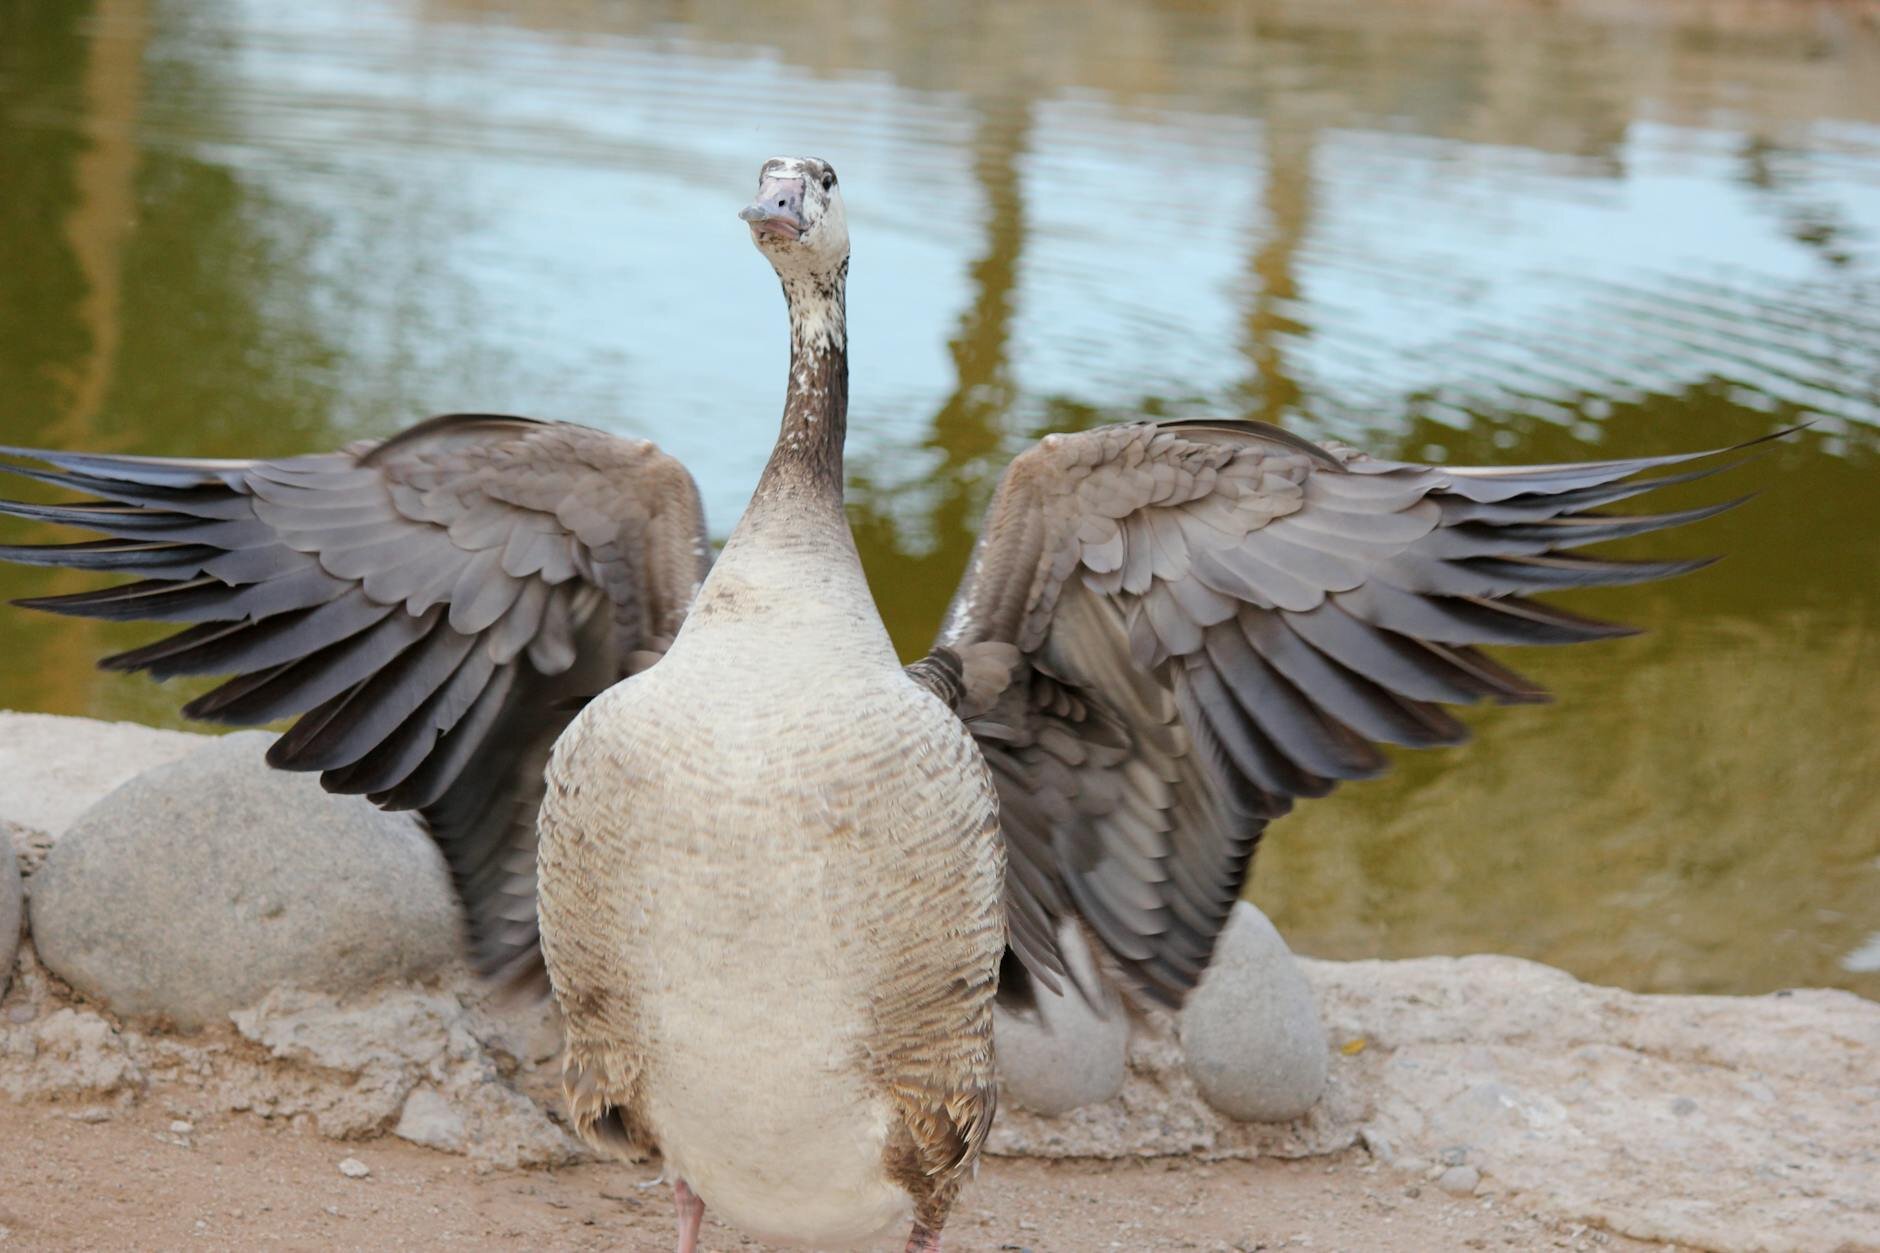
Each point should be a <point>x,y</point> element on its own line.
<point>774,878</point>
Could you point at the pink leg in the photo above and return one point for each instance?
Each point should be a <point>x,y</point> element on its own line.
<point>923,1240</point>
<point>691,1215</point>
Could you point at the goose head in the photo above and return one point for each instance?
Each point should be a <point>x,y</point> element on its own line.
<point>797,219</point>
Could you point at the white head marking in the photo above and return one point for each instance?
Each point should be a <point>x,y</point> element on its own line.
<point>798,222</point>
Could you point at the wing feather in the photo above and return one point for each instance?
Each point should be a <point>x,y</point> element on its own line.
<point>432,609</point>
<point>1240,618</point>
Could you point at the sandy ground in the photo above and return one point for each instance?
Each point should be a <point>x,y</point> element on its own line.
<point>131,1181</point>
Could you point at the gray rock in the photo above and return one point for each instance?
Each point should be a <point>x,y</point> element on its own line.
<point>52,769</point>
<point>1160,1113</point>
<point>1251,1031</point>
<point>9,912</point>
<point>197,887</point>
<point>1071,1054</point>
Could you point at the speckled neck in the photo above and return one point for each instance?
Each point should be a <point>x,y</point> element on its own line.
<point>806,464</point>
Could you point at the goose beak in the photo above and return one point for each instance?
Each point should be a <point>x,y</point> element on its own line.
<point>778,210</point>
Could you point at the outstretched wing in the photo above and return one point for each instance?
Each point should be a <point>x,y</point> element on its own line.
<point>432,609</point>
<point>1169,632</point>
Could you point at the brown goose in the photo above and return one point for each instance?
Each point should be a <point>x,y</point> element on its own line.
<point>780,876</point>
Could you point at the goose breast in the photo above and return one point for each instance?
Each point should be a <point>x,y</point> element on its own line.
<point>775,953</point>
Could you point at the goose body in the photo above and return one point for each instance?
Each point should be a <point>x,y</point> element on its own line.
<point>773,877</point>
<point>789,851</point>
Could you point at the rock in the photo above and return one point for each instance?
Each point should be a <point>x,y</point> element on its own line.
<point>69,1054</point>
<point>428,1059</point>
<point>358,1067</point>
<point>199,886</point>
<point>53,769</point>
<point>10,909</point>
<point>1644,1115</point>
<point>1071,1053</point>
<point>1160,1112</point>
<point>432,1121</point>
<point>1459,1180</point>
<point>353,1168</point>
<point>1251,1031</point>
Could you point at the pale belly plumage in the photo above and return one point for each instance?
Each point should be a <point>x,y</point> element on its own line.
<point>738,894</point>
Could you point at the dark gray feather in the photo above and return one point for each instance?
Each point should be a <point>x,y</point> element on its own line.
<point>1252,616</point>
<point>424,625</point>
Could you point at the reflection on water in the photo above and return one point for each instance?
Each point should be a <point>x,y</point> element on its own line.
<point>1443,230</point>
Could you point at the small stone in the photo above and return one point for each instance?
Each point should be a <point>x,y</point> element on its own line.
<point>1459,1180</point>
<point>181,1128</point>
<point>1251,1032</point>
<point>201,885</point>
<point>1070,1053</point>
<point>353,1168</point>
<point>10,903</point>
<point>92,1114</point>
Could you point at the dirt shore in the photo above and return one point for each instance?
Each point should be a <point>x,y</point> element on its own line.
<point>131,1181</point>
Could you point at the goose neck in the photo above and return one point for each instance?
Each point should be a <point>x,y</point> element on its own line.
<point>807,459</point>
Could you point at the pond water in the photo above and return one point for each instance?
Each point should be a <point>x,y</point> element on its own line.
<point>1441,230</point>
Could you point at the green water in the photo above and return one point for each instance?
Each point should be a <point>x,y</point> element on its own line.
<point>1442,230</point>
